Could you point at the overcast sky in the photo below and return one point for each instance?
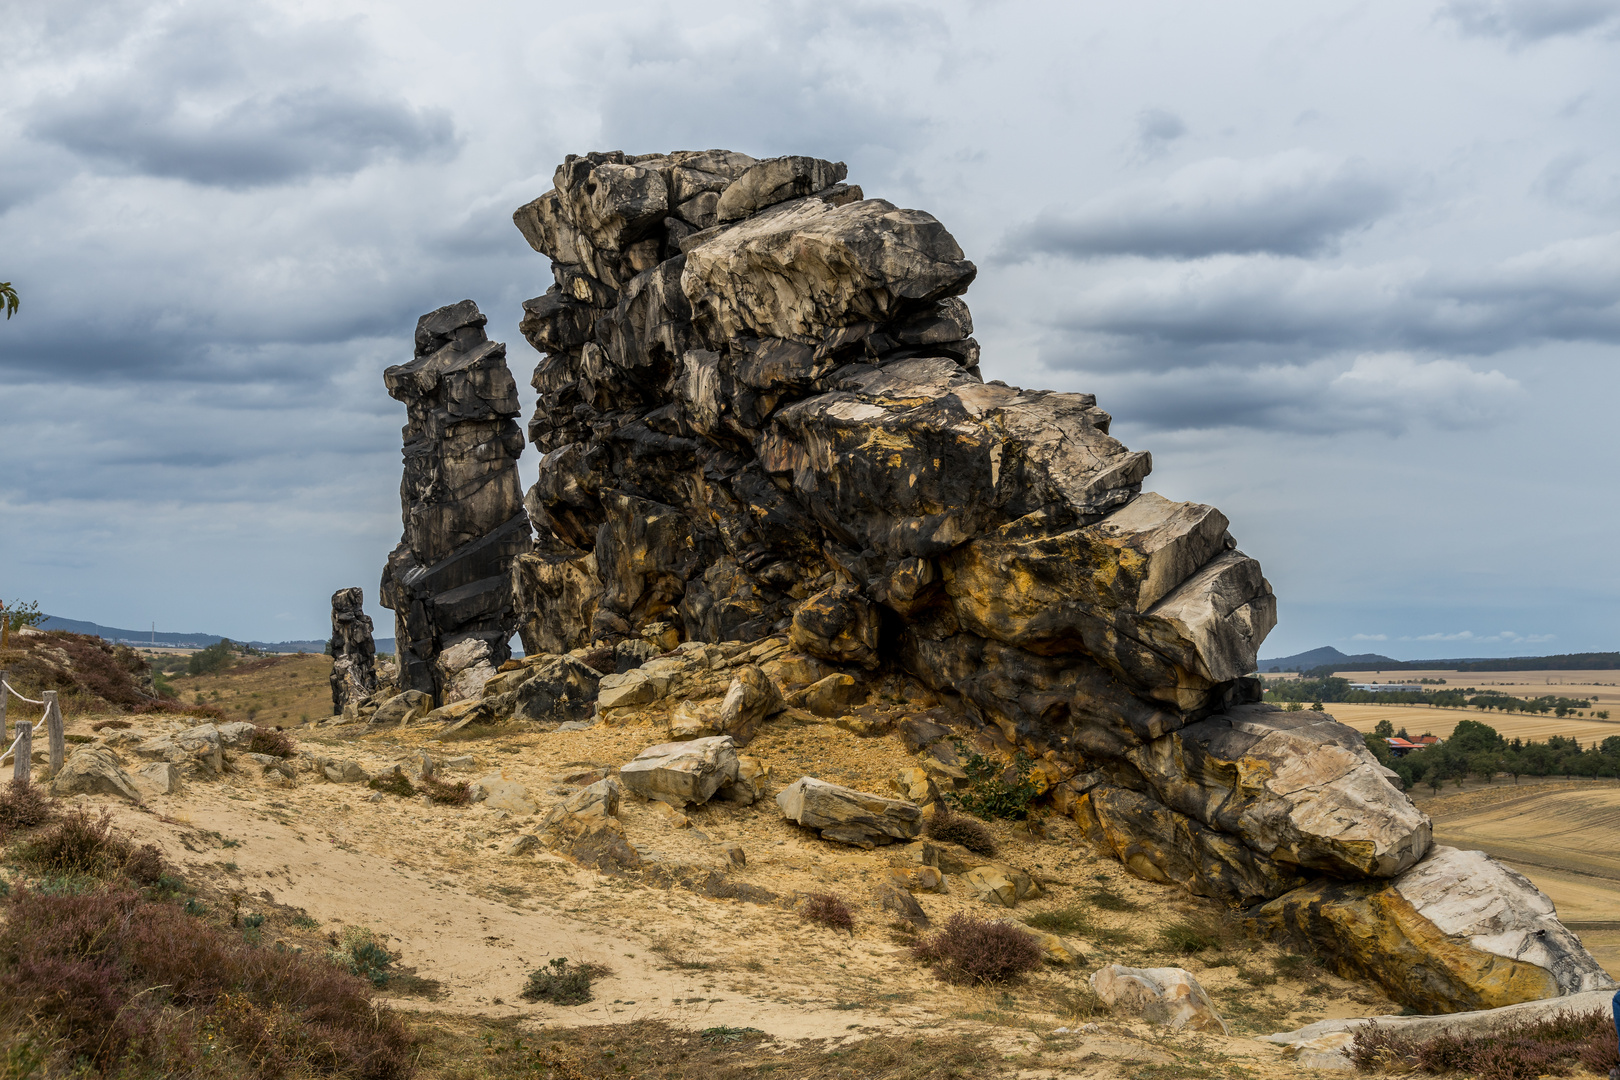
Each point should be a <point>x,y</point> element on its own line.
<point>1350,271</point>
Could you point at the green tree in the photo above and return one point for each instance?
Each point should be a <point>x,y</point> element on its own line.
<point>21,613</point>
<point>8,298</point>
<point>1384,730</point>
<point>1471,737</point>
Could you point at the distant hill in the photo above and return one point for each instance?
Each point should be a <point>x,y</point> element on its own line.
<point>187,641</point>
<point>1327,656</point>
<point>1327,660</point>
<point>1586,661</point>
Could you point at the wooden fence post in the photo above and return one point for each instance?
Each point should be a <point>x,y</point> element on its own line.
<point>22,769</point>
<point>53,731</point>
<point>4,694</point>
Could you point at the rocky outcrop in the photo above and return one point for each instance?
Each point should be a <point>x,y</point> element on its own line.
<point>449,580</point>
<point>1459,931</point>
<point>353,651</point>
<point>762,420</point>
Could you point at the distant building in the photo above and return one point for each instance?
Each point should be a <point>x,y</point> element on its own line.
<point>1386,688</point>
<point>1401,747</point>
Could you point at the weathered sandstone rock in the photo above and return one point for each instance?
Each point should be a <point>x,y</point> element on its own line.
<point>354,652</point>
<point>449,579</point>
<point>403,708</point>
<point>1168,996</point>
<point>586,828</point>
<point>1458,931</point>
<point>750,698</point>
<point>94,770</point>
<point>846,815</point>
<point>463,670</point>
<point>682,773</point>
<point>496,792</point>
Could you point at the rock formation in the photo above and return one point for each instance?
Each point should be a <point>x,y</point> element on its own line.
<point>354,652</point>
<point>762,420</point>
<point>448,581</point>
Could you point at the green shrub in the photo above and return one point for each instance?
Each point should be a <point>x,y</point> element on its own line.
<point>360,953</point>
<point>1109,900</point>
<point>561,984</point>
<point>1187,938</point>
<point>216,657</point>
<point>1069,920</point>
<point>990,794</point>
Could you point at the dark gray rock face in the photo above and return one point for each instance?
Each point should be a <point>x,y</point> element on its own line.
<point>354,652</point>
<point>450,577</point>
<point>760,411</point>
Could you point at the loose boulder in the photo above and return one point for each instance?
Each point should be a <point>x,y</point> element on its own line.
<point>750,698</point>
<point>1167,996</point>
<point>402,709</point>
<point>586,828</point>
<point>848,816</point>
<point>496,792</point>
<point>682,773</point>
<point>94,770</point>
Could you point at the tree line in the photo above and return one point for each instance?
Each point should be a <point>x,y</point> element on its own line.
<point>1335,689</point>
<point>1479,750</point>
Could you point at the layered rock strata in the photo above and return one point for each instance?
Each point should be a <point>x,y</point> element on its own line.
<point>449,580</point>
<point>353,650</point>
<point>761,417</point>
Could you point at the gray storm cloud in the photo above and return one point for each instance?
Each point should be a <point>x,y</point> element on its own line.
<point>225,218</point>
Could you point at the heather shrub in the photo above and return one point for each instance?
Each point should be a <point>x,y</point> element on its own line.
<point>77,844</point>
<point>394,783</point>
<point>272,742</point>
<point>828,910</point>
<point>22,806</point>
<point>969,950</point>
<point>562,984</point>
<point>135,987</point>
<point>1520,1051</point>
<point>960,829</point>
<point>456,794</point>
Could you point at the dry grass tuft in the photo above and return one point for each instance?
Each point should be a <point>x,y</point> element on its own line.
<point>961,829</point>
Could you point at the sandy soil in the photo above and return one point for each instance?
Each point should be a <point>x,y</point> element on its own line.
<point>473,922</point>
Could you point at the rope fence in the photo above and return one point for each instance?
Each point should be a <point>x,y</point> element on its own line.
<point>21,750</point>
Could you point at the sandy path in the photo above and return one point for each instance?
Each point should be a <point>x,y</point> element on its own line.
<point>480,950</point>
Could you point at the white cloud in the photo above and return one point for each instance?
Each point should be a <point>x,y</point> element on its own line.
<point>1369,637</point>
<point>1503,637</point>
